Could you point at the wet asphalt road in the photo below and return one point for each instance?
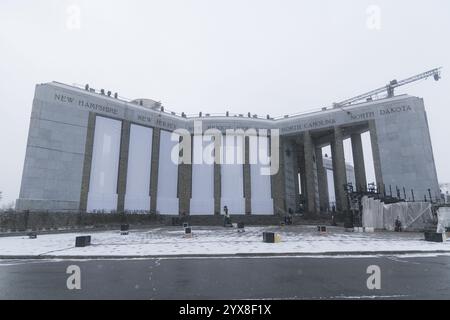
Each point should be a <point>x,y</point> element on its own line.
<point>229,278</point>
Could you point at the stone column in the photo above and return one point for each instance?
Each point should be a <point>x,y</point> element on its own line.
<point>339,169</point>
<point>358,162</point>
<point>298,165</point>
<point>300,169</point>
<point>185,184</point>
<point>247,177</point>
<point>277,181</point>
<point>322,181</point>
<point>154,169</point>
<point>376,156</point>
<point>87,163</point>
<point>217,175</point>
<point>310,192</point>
<point>123,166</point>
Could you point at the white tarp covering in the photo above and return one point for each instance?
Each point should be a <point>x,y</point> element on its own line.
<point>372,213</point>
<point>137,197</point>
<point>167,200</point>
<point>232,174</point>
<point>102,194</point>
<point>261,192</point>
<point>412,215</point>
<point>443,215</point>
<point>202,201</point>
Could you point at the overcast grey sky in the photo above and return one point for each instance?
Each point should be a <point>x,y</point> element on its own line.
<point>274,57</point>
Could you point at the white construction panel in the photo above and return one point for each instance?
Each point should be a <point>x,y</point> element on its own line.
<point>261,192</point>
<point>167,200</point>
<point>202,201</point>
<point>102,194</point>
<point>232,175</point>
<point>137,197</point>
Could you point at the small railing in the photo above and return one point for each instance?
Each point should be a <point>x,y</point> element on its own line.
<point>249,115</point>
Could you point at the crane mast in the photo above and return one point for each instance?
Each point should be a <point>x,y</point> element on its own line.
<point>389,88</point>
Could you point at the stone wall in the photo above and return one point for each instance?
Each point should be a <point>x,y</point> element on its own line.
<point>13,221</point>
<point>41,221</point>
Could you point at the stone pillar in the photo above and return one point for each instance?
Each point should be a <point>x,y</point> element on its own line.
<point>292,158</point>
<point>322,180</point>
<point>310,192</point>
<point>154,169</point>
<point>87,163</point>
<point>277,181</point>
<point>339,169</point>
<point>185,184</point>
<point>247,177</point>
<point>217,175</point>
<point>298,165</point>
<point>376,156</point>
<point>316,183</point>
<point>217,188</point>
<point>299,168</point>
<point>123,166</point>
<point>358,162</point>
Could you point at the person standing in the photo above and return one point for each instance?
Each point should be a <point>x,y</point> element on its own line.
<point>398,224</point>
<point>226,218</point>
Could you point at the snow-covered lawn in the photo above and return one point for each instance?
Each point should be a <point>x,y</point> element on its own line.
<point>216,241</point>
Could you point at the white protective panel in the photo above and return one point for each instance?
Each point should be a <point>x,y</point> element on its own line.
<point>167,200</point>
<point>261,190</point>
<point>202,201</point>
<point>414,216</point>
<point>102,194</point>
<point>232,175</point>
<point>137,197</point>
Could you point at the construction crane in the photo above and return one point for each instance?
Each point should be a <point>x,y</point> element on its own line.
<point>389,88</point>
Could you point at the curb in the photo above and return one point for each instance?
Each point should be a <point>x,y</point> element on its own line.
<point>236,255</point>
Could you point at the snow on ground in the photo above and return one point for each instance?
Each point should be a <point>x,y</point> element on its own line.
<point>168,241</point>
